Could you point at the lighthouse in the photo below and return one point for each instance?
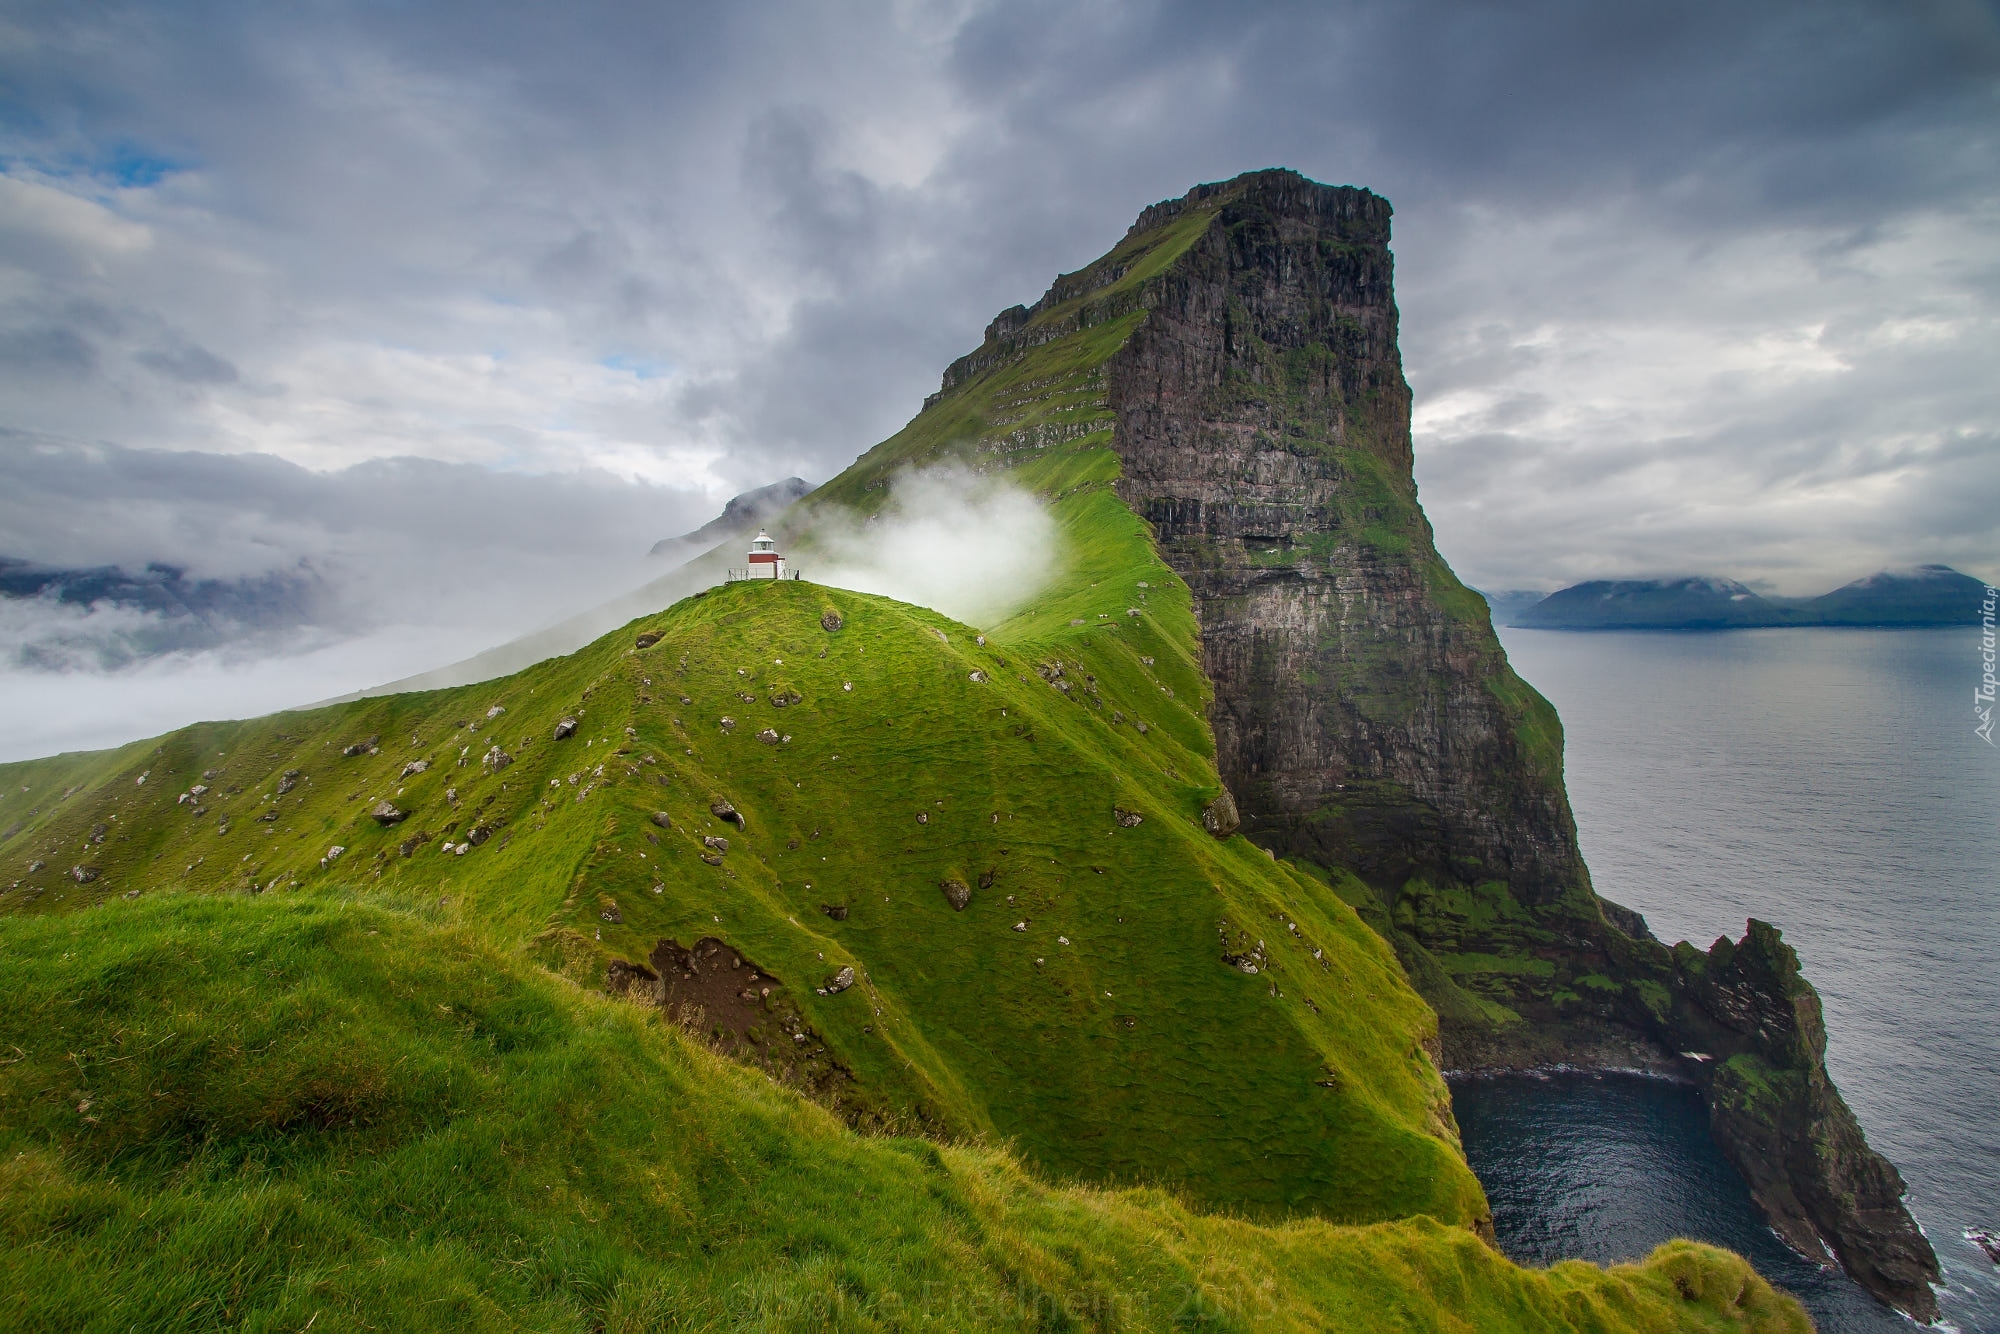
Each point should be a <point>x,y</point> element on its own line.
<point>765,562</point>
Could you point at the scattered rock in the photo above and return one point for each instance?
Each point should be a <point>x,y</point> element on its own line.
<point>413,842</point>
<point>1986,1241</point>
<point>478,834</point>
<point>715,843</point>
<point>1147,661</point>
<point>647,640</point>
<point>711,859</point>
<point>830,621</point>
<point>565,729</point>
<point>197,790</point>
<point>332,855</point>
<point>722,810</point>
<point>609,913</point>
<point>785,699</point>
<point>923,817</point>
<point>847,685</point>
<point>979,640</point>
<point>1076,620</point>
<point>83,875</point>
<point>768,736</point>
<point>130,894</point>
<point>1219,817</point>
<point>957,893</point>
<point>978,678</point>
<point>36,865</point>
<point>361,747</point>
<point>1127,819</point>
<point>288,780</point>
<point>495,760</point>
<point>986,879</point>
<point>728,724</point>
<point>1131,611</point>
<point>495,712</point>
<point>1020,926</point>
<point>414,767</point>
<point>839,982</point>
<point>385,813</point>
<point>663,820</point>
<point>837,911</point>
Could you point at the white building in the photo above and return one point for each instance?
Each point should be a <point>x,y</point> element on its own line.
<point>765,562</point>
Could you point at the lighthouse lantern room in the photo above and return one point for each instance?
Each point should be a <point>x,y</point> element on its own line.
<point>765,562</point>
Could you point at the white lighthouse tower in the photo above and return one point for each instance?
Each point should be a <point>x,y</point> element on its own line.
<point>765,562</point>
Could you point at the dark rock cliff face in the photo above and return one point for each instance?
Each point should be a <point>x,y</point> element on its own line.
<point>1367,722</point>
<point>1364,716</point>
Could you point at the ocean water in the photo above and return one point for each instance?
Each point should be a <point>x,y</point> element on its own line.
<point>1827,781</point>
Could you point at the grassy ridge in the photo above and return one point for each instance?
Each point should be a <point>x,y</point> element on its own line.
<point>1110,1038</point>
<point>351,1112</point>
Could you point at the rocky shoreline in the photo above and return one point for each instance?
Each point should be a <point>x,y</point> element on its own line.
<point>1773,1111</point>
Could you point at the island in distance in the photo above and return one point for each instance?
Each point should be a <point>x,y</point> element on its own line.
<point>1929,595</point>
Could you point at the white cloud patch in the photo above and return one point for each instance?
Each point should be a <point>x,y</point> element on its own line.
<point>975,548</point>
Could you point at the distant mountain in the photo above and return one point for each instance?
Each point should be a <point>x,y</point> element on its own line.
<point>1927,595</point>
<point>61,617</point>
<point>1508,603</point>
<point>742,514</point>
<point>1651,604</point>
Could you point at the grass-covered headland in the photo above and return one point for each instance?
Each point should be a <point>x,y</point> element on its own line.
<point>791,958</point>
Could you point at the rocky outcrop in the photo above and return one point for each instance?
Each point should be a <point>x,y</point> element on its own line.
<point>1746,1009</point>
<point>1365,716</point>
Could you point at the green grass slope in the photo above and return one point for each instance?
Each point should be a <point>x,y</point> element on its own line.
<point>1110,1038</point>
<point>315,1110</point>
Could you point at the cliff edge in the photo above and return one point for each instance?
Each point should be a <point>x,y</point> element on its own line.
<point>1366,720</point>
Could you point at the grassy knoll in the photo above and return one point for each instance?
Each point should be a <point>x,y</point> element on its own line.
<point>352,1111</point>
<point>1110,1038</point>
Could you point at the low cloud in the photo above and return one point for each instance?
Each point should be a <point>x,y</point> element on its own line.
<point>975,548</point>
<point>286,585</point>
<point>45,712</point>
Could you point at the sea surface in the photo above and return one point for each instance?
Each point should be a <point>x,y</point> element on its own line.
<point>1827,781</point>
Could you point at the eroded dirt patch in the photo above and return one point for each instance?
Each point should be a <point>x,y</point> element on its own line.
<point>738,1008</point>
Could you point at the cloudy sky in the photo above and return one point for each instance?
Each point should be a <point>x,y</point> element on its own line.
<point>463,305</point>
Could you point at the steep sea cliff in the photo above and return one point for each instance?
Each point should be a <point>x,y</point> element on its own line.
<point>1367,722</point>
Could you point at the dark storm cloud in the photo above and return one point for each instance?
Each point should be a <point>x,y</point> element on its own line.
<point>1699,285</point>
